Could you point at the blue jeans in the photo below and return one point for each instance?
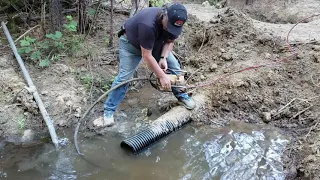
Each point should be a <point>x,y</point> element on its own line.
<point>130,58</point>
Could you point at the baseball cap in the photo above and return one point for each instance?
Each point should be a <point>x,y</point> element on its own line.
<point>177,16</point>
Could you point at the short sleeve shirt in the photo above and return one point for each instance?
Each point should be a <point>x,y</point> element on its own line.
<point>144,30</point>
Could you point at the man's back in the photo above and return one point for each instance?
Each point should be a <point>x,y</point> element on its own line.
<point>142,29</point>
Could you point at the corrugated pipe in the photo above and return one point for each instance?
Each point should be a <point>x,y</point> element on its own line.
<point>152,134</point>
<point>32,88</point>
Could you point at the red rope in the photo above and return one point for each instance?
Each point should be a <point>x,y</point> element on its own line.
<point>293,54</point>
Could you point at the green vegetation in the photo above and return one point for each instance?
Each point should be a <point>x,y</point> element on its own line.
<point>53,46</point>
<point>98,81</point>
<point>21,122</point>
<point>158,3</point>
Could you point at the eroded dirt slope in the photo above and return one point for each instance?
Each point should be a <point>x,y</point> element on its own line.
<point>283,94</point>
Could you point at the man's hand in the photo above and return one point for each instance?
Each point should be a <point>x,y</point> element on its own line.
<point>163,64</point>
<point>165,82</point>
<point>155,67</point>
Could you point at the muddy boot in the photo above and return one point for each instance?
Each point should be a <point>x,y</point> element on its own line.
<point>106,121</point>
<point>187,101</point>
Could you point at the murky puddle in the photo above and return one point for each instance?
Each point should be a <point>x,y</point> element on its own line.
<point>238,151</point>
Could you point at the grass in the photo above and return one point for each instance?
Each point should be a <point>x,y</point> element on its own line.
<point>21,122</point>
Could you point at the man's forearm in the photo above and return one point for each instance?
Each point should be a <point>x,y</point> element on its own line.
<point>167,48</point>
<point>153,65</point>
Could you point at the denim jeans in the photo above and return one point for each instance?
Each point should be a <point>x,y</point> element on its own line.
<point>130,58</point>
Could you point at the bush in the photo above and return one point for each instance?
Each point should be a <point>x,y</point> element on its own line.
<point>53,46</point>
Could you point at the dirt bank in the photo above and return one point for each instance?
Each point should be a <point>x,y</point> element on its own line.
<point>216,43</point>
<point>284,94</point>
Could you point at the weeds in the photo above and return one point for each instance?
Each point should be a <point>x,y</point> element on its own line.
<point>21,122</point>
<point>158,3</point>
<point>98,82</point>
<point>53,46</point>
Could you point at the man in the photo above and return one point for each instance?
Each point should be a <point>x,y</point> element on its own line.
<point>148,35</point>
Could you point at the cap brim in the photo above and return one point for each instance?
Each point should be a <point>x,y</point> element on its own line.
<point>175,30</point>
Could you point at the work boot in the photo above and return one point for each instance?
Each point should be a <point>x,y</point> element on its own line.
<point>105,121</point>
<point>108,118</point>
<point>187,101</point>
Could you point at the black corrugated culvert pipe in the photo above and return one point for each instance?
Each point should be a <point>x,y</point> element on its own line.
<point>152,134</point>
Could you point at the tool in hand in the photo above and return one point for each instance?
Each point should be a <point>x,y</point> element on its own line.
<point>177,81</point>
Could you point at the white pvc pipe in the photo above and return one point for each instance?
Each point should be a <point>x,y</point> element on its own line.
<point>36,96</point>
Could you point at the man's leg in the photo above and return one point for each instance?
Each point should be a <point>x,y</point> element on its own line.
<point>129,61</point>
<point>174,68</point>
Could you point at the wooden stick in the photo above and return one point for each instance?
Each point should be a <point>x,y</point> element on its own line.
<point>26,33</point>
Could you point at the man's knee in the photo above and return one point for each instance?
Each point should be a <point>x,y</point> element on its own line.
<point>124,76</point>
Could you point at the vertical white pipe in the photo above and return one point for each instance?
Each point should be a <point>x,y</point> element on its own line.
<point>36,96</point>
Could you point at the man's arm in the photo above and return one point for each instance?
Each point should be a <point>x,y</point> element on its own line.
<point>151,62</point>
<point>167,48</point>
<point>147,39</point>
<point>154,67</point>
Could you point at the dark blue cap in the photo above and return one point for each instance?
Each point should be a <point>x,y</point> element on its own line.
<point>177,16</point>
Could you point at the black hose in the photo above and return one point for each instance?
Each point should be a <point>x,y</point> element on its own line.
<point>98,100</point>
<point>152,134</point>
<point>87,112</point>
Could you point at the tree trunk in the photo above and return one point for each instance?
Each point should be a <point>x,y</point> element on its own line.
<point>111,26</point>
<point>56,14</point>
<point>82,13</point>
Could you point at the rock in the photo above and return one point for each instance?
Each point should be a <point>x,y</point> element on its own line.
<point>219,54</point>
<point>98,122</point>
<point>44,93</point>
<point>316,48</point>
<point>227,57</point>
<point>316,57</point>
<point>202,77</point>
<point>310,158</point>
<point>267,55</point>
<point>266,117</point>
<point>205,4</point>
<point>27,114</point>
<point>28,136</point>
<point>229,92</point>
<point>214,21</point>
<point>78,112</point>
<point>61,122</point>
<point>247,51</point>
<point>213,67</point>
<point>222,50</point>
<point>219,6</point>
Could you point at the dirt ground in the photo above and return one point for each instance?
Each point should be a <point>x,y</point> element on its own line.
<point>215,44</point>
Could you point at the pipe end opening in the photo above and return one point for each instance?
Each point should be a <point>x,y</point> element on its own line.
<point>127,148</point>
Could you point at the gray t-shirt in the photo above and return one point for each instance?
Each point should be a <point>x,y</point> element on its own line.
<point>145,30</point>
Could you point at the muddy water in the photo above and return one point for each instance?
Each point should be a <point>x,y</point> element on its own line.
<point>238,151</point>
